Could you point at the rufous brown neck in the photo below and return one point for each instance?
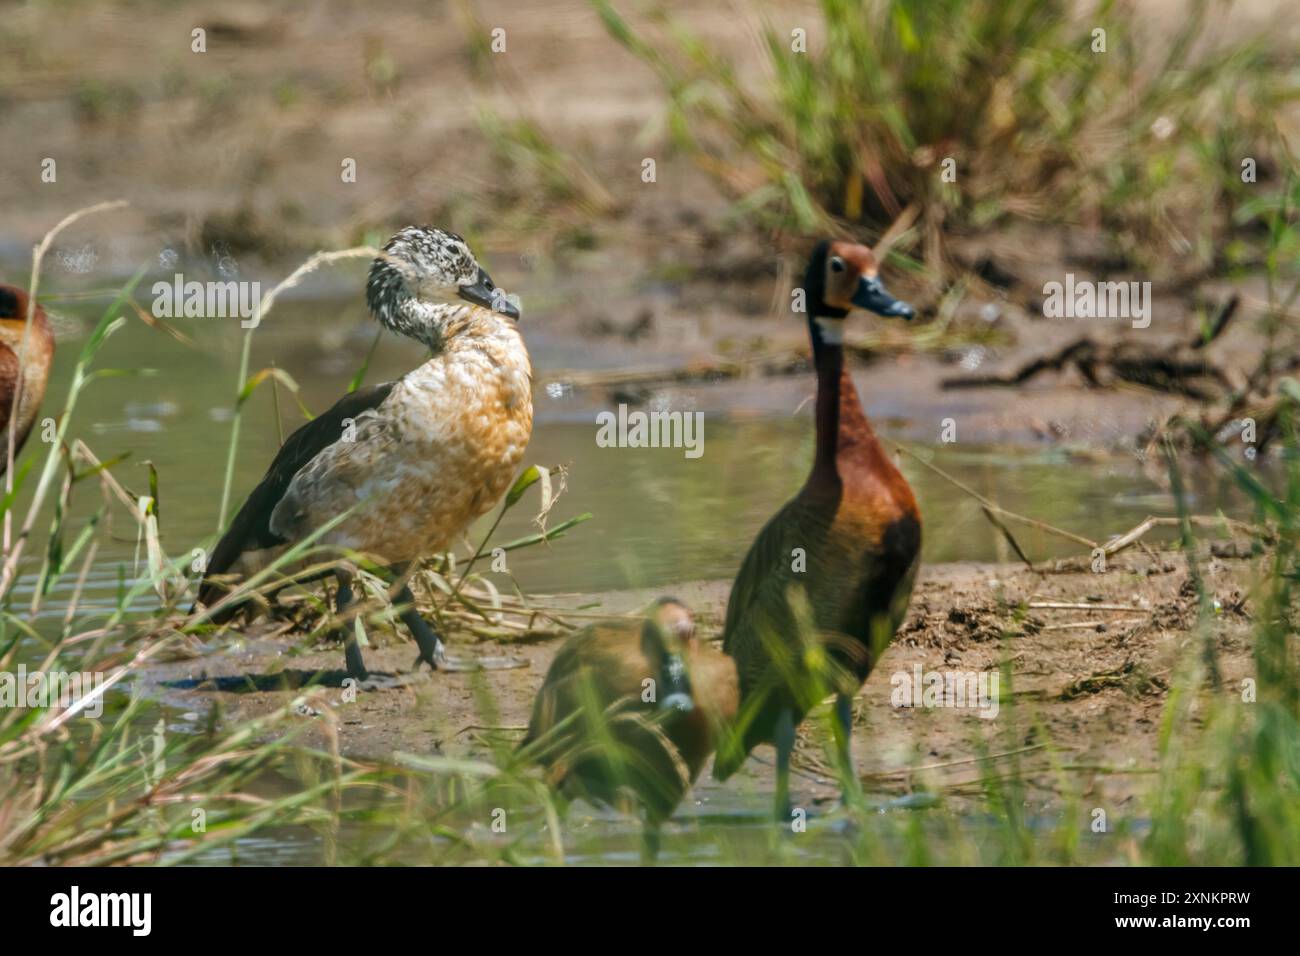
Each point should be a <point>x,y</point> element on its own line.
<point>845,438</point>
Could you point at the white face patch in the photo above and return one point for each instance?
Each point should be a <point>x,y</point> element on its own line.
<point>832,330</point>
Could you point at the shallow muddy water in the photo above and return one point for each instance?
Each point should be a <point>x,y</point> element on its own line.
<point>659,517</point>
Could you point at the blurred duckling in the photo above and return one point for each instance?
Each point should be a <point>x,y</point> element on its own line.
<point>633,708</point>
<point>33,358</point>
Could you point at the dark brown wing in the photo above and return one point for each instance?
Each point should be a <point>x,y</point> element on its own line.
<point>760,581</point>
<point>251,529</point>
<point>758,614</point>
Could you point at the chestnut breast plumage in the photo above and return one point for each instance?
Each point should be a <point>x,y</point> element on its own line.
<point>24,367</point>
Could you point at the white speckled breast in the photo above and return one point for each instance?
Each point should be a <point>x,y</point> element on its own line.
<point>438,453</point>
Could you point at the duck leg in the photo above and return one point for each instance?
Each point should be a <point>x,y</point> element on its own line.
<point>843,738</point>
<point>650,833</point>
<point>426,638</point>
<point>784,740</point>
<point>343,574</point>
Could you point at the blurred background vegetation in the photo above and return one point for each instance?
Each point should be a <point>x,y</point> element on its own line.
<point>1043,113</point>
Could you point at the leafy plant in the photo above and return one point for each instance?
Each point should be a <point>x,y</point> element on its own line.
<point>955,114</point>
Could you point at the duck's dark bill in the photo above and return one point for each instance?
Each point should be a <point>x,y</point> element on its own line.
<point>873,296</point>
<point>485,293</point>
<point>676,685</point>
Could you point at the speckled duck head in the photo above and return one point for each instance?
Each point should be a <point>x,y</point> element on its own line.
<point>428,286</point>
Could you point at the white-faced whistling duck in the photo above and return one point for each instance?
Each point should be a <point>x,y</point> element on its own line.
<point>633,707</point>
<point>837,562</point>
<point>416,460</point>
<point>32,358</point>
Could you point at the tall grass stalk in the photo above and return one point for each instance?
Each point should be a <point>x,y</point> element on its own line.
<point>38,256</point>
<point>264,307</point>
<point>82,376</point>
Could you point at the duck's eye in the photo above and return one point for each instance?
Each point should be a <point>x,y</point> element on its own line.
<point>837,264</point>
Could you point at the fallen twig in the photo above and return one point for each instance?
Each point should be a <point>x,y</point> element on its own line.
<point>983,758</point>
<point>1090,625</point>
<point>1076,606</point>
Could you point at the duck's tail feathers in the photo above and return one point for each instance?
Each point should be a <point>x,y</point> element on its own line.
<point>222,560</point>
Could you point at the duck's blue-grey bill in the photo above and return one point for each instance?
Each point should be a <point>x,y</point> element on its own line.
<point>485,293</point>
<point>873,296</point>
